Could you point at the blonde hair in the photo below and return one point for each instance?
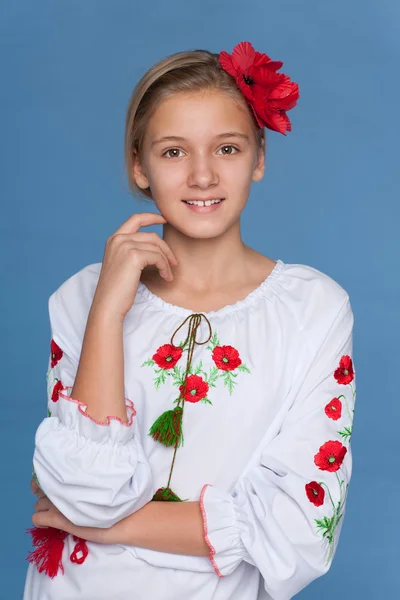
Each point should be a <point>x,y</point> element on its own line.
<point>187,71</point>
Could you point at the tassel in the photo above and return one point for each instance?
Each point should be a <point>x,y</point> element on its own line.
<point>48,554</point>
<point>167,429</point>
<point>80,551</point>
<point>166,495</point>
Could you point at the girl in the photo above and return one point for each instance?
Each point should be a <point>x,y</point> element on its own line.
<point>200,394</point>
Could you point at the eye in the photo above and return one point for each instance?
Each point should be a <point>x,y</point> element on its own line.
<point>170,150</point>
<point>229,146</point>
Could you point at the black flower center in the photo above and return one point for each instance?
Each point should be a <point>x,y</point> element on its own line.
<point>247,79</point>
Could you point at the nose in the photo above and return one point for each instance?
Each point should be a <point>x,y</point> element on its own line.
<point>202,172</point>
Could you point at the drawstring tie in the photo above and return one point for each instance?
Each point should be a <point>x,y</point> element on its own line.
<point>167,429</point>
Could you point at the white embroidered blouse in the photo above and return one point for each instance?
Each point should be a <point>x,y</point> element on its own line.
<point>266,427</point>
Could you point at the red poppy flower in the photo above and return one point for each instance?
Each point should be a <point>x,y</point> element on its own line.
<point>270,94</point>
<point>334,409</point>
<point>315,493</point>
<point>167,356</point>
<point>226,358</point>
<point>56,353</point>
<point>56,389</point>
<point>196,388</point>
<point>344,374</point>
<point>330,456</point>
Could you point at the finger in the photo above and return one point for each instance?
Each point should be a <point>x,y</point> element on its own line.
<point>159,260</point>
<point>42,504</point>
<point>138,220</point>
<point>153,255</point>
<point>34,485</point>
<point>40,494</point>
<point>152,237</point>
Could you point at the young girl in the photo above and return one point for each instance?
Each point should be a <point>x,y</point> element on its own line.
<point>200,394</point>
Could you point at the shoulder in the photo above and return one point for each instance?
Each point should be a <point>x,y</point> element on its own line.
<point>315,297</point>
<point>69,307</point>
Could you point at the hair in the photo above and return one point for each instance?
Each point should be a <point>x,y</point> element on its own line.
<point>188,71</point>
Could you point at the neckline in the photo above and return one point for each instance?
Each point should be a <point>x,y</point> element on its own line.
<point>261,290</point>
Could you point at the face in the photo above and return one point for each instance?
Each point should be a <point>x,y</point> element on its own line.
<point>205,162</point>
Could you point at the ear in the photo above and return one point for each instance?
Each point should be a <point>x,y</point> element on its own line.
<point>138,173</point>
<point>258,172</point>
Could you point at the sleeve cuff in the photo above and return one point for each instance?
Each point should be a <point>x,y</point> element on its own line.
<point>72,414</point>
<point>222,530</point>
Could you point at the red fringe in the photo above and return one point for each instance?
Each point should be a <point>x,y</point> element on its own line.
<point>48,554</point>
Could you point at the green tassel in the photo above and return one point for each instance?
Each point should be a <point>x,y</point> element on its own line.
<point>167,429</point>
<point>166,495</point>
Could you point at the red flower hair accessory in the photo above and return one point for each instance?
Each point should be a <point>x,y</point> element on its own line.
<point>270,94</point>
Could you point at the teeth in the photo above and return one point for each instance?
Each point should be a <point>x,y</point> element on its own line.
<point>204,203</point>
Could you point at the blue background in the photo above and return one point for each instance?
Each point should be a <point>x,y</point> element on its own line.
<point>329,199</point>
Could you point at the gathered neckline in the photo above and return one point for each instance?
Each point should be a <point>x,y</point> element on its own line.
<point>246,302</point>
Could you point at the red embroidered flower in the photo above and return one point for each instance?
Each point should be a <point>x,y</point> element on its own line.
<point>344,374</point>
<point>167,356</point>
<point>56,389</point>
<point>315,493</point>
<point>56,353</point>
<point>330,456</point>
<point>196,388</point>
<point>226,358</point>
<point>270,94</point>
<point>334,409</point>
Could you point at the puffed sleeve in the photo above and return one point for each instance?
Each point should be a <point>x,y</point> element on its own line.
<point>285,515</point>
<point>95,473</point>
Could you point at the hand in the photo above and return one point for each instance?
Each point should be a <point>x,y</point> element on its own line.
<point>47,515</point>
<point>127,253</point>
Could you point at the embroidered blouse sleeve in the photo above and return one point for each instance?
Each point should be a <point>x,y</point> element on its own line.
<point>95,473</point>
<point>285,515</point>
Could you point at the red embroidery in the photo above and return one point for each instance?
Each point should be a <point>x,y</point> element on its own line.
<point>344,374</point>
<point>315,493</point>
<point>167,356</point>
<point>333,410</point>
<point>196,389</point>
<point>56,353</point>
<point>56,390</point>
<point>330,456</point>
<point>226,358</point>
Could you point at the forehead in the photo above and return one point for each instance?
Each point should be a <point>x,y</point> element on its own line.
<point>198,114</point>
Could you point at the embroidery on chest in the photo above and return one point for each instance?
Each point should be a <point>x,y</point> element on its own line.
<point>227,366</point>
<point>193,382</point>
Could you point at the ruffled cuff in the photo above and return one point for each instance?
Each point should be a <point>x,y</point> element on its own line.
<point>222,530</point>
<point>72,414</point>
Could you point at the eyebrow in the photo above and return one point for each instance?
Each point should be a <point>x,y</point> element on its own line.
<point>177,138</point>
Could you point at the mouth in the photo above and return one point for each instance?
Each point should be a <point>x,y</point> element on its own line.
<point>204,206</point>
<point>202,203</point>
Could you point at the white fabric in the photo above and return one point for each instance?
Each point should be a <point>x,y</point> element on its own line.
<point>248,451</point>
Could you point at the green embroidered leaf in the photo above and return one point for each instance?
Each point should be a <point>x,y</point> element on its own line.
<point>148,363</point>
<point>228,381</point>
<point>48,412</point>
<point>212,377</point>
<point>158,381</point>
<point>197,370</point>
<point>177,376</point>
<point>205,401</point>
<point>243,368</point>
<point>214,342</point>
<point>346,433</point>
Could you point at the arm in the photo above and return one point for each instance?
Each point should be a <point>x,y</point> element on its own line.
<point>89,464</point>
<point>285,515</point>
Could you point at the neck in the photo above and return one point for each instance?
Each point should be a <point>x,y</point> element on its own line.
<point>212,261</point>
